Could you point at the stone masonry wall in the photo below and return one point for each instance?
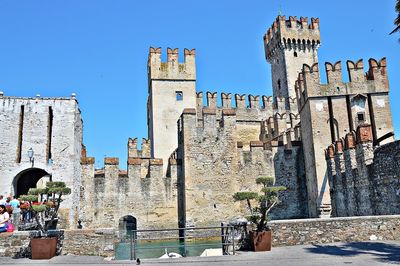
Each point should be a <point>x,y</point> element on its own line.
<point>365,180</point>
<point>386,178</point>
<point>27,123</point>
<point>101,242</point>
<point>215,166</point>
<point>143,191</point>
<point>330,230</point>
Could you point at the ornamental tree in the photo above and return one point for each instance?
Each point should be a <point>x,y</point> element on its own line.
<point>53,192</point>
<point>267,199</point>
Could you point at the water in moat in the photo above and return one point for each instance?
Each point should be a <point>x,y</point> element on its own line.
<point>156,249</point>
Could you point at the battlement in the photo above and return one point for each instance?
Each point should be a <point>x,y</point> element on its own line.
<point>37,98</point>
<point>374,80</point>
<point>363,135</point>
<point>242,101</point>
<point>259,150</point>
<point>137,167</point>
<point>291,34</point>
<point>133,150</point>
<point>172,69</point>
<point>247,107</point>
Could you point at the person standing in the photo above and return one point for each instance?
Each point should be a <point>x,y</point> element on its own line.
<point>16,217</point>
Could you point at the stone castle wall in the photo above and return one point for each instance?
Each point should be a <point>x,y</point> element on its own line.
<point>215,166</point>
<point>102,242</point>
<point>143,191</point>
<point>365,179</point>
<point>329,111</point>
<point>53,128</point>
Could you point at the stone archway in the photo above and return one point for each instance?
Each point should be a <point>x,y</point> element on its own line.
<point>29,178</point>
<point>127,223</point>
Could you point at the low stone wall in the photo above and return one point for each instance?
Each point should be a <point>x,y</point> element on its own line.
<point>12,244</point>
<point>329,230</point>
<point>101,242</point>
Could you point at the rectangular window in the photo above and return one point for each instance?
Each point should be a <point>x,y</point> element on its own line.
<point>179,95</point>
<point>361,117</point>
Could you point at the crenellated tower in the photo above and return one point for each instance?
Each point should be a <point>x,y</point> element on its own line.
<point>288,45</point>
<point>330,111</point>
<point>172,88</point>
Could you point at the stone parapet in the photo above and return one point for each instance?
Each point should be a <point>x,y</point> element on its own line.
<point>330,230</point>
<point>291,34</point>
<point>133,150</point>
<point>172,69</point>
<point>375,81</point>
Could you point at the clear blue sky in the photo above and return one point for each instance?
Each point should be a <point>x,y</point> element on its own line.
<point>99,49</point>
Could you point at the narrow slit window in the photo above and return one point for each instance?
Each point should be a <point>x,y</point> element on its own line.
<point>295,54</point>
<point>49,134</point>
<point>179,95</point>
<point>20,133</point>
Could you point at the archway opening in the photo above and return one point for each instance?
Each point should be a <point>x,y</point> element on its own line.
<point>126,226</point>
<point>29,179</point>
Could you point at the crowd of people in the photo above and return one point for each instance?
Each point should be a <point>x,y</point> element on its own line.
<point>10,213</point>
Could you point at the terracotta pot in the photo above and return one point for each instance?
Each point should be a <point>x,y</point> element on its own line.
<point>261,241</point>
<point>43,248</point>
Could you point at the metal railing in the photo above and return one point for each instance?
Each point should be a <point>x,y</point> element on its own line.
<point>185,239</point>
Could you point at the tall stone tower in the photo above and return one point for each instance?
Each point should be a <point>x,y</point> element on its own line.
<point>172,88</point>
<point>288,45</point>
<point>41,140</point>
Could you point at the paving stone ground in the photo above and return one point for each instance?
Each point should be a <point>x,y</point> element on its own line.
<point>360,253</point>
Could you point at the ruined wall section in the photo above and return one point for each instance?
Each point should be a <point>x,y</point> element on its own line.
<point>364,180</point>
<point>142,191</point>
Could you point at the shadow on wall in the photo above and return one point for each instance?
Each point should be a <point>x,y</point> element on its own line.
<point>381,252</point>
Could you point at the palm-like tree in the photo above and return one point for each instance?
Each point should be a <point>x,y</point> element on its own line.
<point>397,20</point>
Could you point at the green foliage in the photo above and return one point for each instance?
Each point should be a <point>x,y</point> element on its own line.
<point>266,201</point>
<point>238,196</point>
<point>60,190</point>
<point>29,198</point>
<point>55,184</point>
<point>36,191</point>
<point>39,208</point>
<point>53,192</point>
<point>397,20</point>
<point>265,180</point>
<point>272,190</point>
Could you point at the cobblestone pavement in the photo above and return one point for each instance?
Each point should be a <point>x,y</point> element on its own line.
<point>362,253</point>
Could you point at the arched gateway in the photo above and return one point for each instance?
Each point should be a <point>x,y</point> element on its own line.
<point>29,178</point>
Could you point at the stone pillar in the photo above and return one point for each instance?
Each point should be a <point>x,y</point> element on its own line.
<point>331,170</point>
<point>350,164</point>
<point>111,173</point>
<point>338,180</point>
<point>364,157</point>
<point>87,201</point>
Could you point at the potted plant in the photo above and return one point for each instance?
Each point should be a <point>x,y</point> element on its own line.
<point>261,237</point>
<point>45,215</point>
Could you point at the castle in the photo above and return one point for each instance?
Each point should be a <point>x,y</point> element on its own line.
<point>198,154</point>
